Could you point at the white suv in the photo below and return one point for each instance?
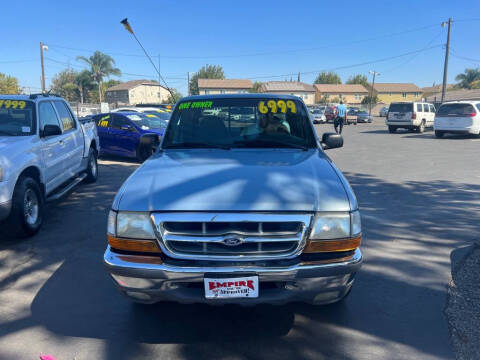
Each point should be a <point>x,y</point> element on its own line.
<point>410,115</point>
<point>459,117</point>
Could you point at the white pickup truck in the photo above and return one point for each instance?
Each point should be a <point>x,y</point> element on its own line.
<point>44,152</point>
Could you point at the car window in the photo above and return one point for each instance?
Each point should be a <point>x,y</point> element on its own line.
<point>240,122</point>
<point>401,107</point>
<point>17,117</point>
<point>147,121</point>
<point>47,115</point>
<point>478,106</point>
<point>419,107</point>
<point>102,120</point>
<point>432,108</point>
<point>118,122</point>
<point>455,110</point>
<point>425,108</point>
<point>65,116</point>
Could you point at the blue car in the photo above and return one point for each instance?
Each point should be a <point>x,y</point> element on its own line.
<point>129,134</point>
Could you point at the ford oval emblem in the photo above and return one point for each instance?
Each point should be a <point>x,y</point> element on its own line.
<point>233,241</point>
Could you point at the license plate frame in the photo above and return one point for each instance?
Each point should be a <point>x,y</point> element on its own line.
<point>233,287</point>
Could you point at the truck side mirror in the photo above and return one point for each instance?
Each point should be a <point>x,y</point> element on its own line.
<point>51,130</point>
<point>331,141</point>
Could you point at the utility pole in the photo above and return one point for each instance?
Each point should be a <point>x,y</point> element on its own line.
<point>188,83</point>
<point>374,73</point>
<point>447,50</point>
<point>42,46</point>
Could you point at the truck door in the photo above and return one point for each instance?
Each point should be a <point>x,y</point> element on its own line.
<point>74,142</point>
<point>52,148</point>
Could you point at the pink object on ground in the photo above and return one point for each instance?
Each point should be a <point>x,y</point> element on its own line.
<point>47,357</point>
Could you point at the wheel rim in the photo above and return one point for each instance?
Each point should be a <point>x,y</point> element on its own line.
<point>93,166</point>
<point>31,207</point>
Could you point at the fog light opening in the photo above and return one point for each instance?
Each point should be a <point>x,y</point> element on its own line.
<point>138,295</point>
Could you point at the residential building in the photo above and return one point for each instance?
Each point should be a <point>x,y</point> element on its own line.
<point>296,88</point>
<point>349,93</point>
<point>223,86</point>
<point>389,92</point>
<point>430,90</point>
<point>456,95</point>
<point>136,92</point>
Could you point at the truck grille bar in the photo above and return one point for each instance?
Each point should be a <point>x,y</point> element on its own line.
<point>231,236</point>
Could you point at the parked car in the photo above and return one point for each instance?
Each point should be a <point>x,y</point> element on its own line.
<point>410,115</point>
<point>129,134</point>
<point>383,112</point>
<point>318,117</point>
<point>363,117</point>
<point>330,113</point>
<point>165,107</point>
<point>351,117</point>
<point>459,117</point>
<point>161,113</point>
<point>44,152</point>
<point>201,222</point>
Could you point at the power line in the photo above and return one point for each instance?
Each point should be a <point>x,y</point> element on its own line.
<point>260,53</point>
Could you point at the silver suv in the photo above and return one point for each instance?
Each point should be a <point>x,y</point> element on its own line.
<point>235,211</point>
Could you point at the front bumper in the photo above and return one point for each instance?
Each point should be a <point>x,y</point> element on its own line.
<point>149,280</point>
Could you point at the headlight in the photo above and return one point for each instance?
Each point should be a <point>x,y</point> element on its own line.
<point>336,226</point>
<point>131,225</point>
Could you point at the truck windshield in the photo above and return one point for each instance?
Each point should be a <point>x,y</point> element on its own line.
<point>147,121</point>
<point>16,117</point>
<point>240,123</point>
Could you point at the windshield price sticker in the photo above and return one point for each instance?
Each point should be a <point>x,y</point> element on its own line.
<point>278,106</point>
<point>14,104</point>
<point>196,105</point>
<point>152,116</point>
<point>104,121</point>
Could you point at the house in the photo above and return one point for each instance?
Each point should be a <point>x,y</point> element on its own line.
<point>296,88</point>
<point>430,90</point>
<point>389,92</point>
<point>136,92</point>
<point>349,93</point>
<point>456,95</point>
<point>223,86</point>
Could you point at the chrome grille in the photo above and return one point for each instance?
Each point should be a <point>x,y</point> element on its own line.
<point>231,236</point>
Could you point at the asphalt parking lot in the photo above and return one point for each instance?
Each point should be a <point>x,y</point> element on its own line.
<point>420,210</point>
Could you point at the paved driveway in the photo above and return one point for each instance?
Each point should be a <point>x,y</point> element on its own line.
<point>420,208</point>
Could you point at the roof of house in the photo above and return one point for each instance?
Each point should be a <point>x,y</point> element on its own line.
<point>435,88</point>
<point>224,84</point>
<point>396,87</point>
<point>132,84</point>
<point>453,95</point>
<point>286,86</point>
<point>341,88</point>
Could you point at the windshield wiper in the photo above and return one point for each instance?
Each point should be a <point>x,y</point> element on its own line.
<point>193,145</point>
<point>270,143</point>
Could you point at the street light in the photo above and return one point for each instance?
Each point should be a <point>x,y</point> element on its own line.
<point>128,27</point>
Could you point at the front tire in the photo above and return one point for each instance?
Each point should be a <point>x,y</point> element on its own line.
<point>392,129</point>
<point>439,134</point>
<point>92,167</point>
<point>144,151</point>
<point>421,128</point>
<point>26,216</point>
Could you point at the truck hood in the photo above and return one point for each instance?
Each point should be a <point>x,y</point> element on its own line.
<point>234,180</point>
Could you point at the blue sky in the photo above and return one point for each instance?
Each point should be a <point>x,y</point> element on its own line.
<point>260,40</point>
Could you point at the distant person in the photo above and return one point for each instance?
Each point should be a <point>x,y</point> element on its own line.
<point>340,118</point>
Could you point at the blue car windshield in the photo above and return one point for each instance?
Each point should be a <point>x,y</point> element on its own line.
<point>161,114</point>
<point>240,123</point>
<point>147,121</point>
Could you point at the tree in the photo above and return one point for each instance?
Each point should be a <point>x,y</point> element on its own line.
<point>8,84</point>
<point>470,79</point>
<point>335,100</point>
<point>358,79</point>
<point>328,78</point>
<point>176,96</point>
<point>64,85</point>
<point>256,87</point>
<point>366,99</point>
<point>84,82</point>
<point>100,65</point>
<point>206,72</point>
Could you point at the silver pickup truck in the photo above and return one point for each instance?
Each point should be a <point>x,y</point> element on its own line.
<point>236,209</point>
<point>44,152</point>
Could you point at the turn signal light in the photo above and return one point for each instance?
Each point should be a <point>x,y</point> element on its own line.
<point>316,246</point>
<point>149,246</point>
